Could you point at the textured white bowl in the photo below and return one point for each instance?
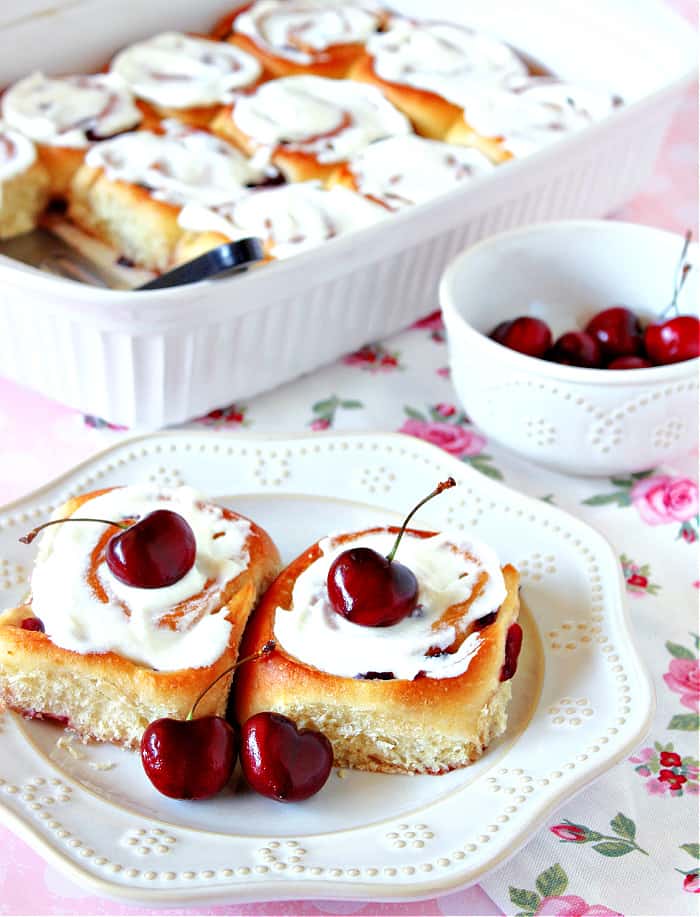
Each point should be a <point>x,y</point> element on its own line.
<point>580,421</point>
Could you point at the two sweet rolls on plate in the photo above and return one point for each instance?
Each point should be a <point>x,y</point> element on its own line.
<point>105,658</point>
<point>395,111</point>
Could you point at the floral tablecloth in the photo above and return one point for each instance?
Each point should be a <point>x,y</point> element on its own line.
<point>628,844</point>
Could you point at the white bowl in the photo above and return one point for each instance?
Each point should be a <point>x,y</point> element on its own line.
<point>580,421</point>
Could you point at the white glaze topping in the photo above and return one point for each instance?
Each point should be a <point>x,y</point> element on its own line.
<point>401,171</point>
<point>449,569</point>
<point>70,111</point>
<point>181,165</point>
<point>535,112</point>
<point>17,153</point>
<point>76,619</point>
<point>291,218</point>
<point>299,29</point>
<point>330,119</point>
<point>440,57</point>
<point>176,71</point>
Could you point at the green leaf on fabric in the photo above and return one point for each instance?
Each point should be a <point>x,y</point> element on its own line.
<point>325,406</point>
<point>552,881</point>
<point>623,826</point>
<point>692,849</point>
<point>688,722</point>
<point>680,652</point>
<point>522,897</point>
<point>621,482</point>
<point>640,475</point>
<point>621,498</point>
<point>349,405</point>
<point>696,641</point>
<point>613,848</point>
<point>413,413</point>
<point>481,463</point>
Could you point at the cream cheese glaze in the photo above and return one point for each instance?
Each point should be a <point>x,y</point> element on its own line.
<point>299,29</point>
<point>70,111</point>
<point>290,219</point>
<point>442,58</point>
<point>535,112</point>
<point>330,119</point>
<point>181,165</point>
<point>316,635</point>
<point>76,619</point>
<point>176,71</point>
<point>17,153</point>
<point>401,171</point>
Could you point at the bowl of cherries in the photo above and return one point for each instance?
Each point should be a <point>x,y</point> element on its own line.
<point>575,344</point>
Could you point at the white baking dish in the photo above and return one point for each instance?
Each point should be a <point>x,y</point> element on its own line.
<point>151,359</point>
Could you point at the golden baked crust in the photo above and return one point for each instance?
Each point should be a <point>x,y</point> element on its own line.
<point>126,217</point>
<point>431,115</point>
<point>23,199</point>
<point>106,697</point>
<point>462,134</point>
<point>422,726</point>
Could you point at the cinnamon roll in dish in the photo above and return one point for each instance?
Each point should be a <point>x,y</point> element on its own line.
<point>323,37</point>
<point>424,695</point>
<point>185,77</point>
<point>424,68</point>
<point>24,184</point>
<point>131,189</point>
<point>402,171</point>
<point>106,658</point>
<point>289,220</point>
<point>307,124</point>
<point>65,115</point>
<point>527,116</point>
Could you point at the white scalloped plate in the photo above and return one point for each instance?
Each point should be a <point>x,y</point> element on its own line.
<point>581,697</point>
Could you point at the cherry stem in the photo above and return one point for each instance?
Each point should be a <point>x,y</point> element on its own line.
<point>683,268</point>
<point>30,536</point>
<point>445,485</point>
<point>267,648</point>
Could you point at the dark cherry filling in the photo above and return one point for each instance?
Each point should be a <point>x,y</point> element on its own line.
<point>480,623</point>
<point>514,640</point>
<point>33,624</point>
<point>376,676</point>
<point>46,717</point>
<point>270,181</point>
<point>123,261</point>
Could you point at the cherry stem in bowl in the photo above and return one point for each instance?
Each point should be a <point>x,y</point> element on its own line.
<point>683,268</point>
<point>30,536</point>
<point>444,485</point>
<point>267,648</point>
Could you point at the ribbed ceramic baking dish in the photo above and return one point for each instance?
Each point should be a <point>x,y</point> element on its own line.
<point>155,358</point>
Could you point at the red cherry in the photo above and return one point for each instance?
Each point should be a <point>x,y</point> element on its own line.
<point>189,759</point>
<point>674,340</point>
<point>527,335</point>
<point>282,762</point>
<point>576,348</point>
<point>514,640</point>
<point>372,590</point>
<point>368,589</point>
<point>629,363</point>
<point>33,624</point>
<point>154,552</point>
<point>617,331</point>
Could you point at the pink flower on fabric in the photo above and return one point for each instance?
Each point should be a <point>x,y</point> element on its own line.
<point>683,677</point>
<point>646,754</point>
<point>644,771</point>
<point>459,441</point>
<point>570,833</point>
<point>663,499</point>
<point>656,787</point>
<point>572,906</point>
<point>693,788</point>
<point>445,410</point>
<point>432,322</point>
<point>321,424</point>
<point>691,883</point>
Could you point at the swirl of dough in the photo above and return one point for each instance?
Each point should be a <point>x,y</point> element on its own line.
<point>177,166</point>
<point>300,30</point>
<point>401,171</point>
<point>70,111</point>
<point>17,153</point>
<point>290,219</point>
<point>177,71</point>
<point>443,58</point>
<point>330,119</point>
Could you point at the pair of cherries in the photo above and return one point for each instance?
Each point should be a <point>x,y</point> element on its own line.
<point>195,758</point>
<point>613,338</point>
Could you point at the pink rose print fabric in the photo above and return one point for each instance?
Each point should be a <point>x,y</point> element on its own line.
<point>683,677</point>
<point>662,500</point>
